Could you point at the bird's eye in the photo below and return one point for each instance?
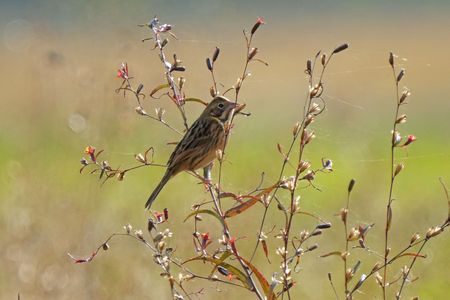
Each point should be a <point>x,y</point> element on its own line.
<point>221,105</point>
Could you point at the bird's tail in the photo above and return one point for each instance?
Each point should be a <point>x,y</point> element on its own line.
<point>158,189</point>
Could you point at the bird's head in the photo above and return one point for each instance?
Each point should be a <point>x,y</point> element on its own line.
<point>221,108</point>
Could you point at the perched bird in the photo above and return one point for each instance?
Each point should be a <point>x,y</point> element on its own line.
<point>197,149</point>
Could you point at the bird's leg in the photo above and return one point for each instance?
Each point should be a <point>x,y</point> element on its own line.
<point>207,173</point>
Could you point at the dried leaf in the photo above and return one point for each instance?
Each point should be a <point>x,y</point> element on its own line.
<point>265,249</point>
<point>338,253</point>
<point>203,211</point>
<point>158,88</point>
<point>413,254</point>
<point>146,154</point>
<point>196,100</point>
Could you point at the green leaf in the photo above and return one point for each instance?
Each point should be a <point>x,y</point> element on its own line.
<point>232,269</point>
<point>224,256</point>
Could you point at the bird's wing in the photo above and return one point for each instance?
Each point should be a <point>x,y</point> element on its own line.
<point>198,141</point>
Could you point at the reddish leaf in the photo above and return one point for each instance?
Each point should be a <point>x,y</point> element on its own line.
<point>270,295</point>
<point>241,207</point>
<point>414,255</point>
<point>266,251</point>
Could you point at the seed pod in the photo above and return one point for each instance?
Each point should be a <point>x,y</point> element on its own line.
<point>216,54</point>
<point>252,53</point>
<point>400,75</point>
<point>405,94</point>
<point>316,232</point>
<point>344,213</point>
<point>179,68</point>
<point>83,161</point>
<point>312,248</point>
<point>164,43</point>
<point>105,246</point>
<point>396,138</point>
<point>140,158</point>
<point>308,66</point>
<point>323,59</point>
<point>212,91</point>
<point>238,84</point>
<point>128,228</point>
<point>414,238</point>
<point>376,267</point>
<point>296,129</point>
<point>309,120</point>
<point>161,246</point>
<point>160,113</point>
<point>181,81</point>
<point>150,225</point>
<point>208,64</point>
<point>434,231</point>
<point>139,89</point>
<point>340,48</point>
<point>351,185</point>
<point>139,234</point>
<point>401,119</point>
<point>323,226</point>
<point>141,111</point>
<point>222,271</point>
<point>348,274</point>
<point>389,218</point>
<point>391,58</point>
<point>398,169</point>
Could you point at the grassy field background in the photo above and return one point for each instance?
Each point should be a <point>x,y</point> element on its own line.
<point>59,62</point>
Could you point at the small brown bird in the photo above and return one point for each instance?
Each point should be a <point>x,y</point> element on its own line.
<point>197,149</point>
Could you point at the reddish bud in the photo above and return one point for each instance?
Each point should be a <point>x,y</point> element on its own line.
<point>232,242</point>
<point>205,239</point>
<point>411,138</point>
<point>259,22</point>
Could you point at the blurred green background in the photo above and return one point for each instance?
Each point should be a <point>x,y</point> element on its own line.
<point>59,61</point>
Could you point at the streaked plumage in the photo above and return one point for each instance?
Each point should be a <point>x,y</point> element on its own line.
<point>198,147</point>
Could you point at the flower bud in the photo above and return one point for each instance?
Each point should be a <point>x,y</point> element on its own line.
<point>259,22</point>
